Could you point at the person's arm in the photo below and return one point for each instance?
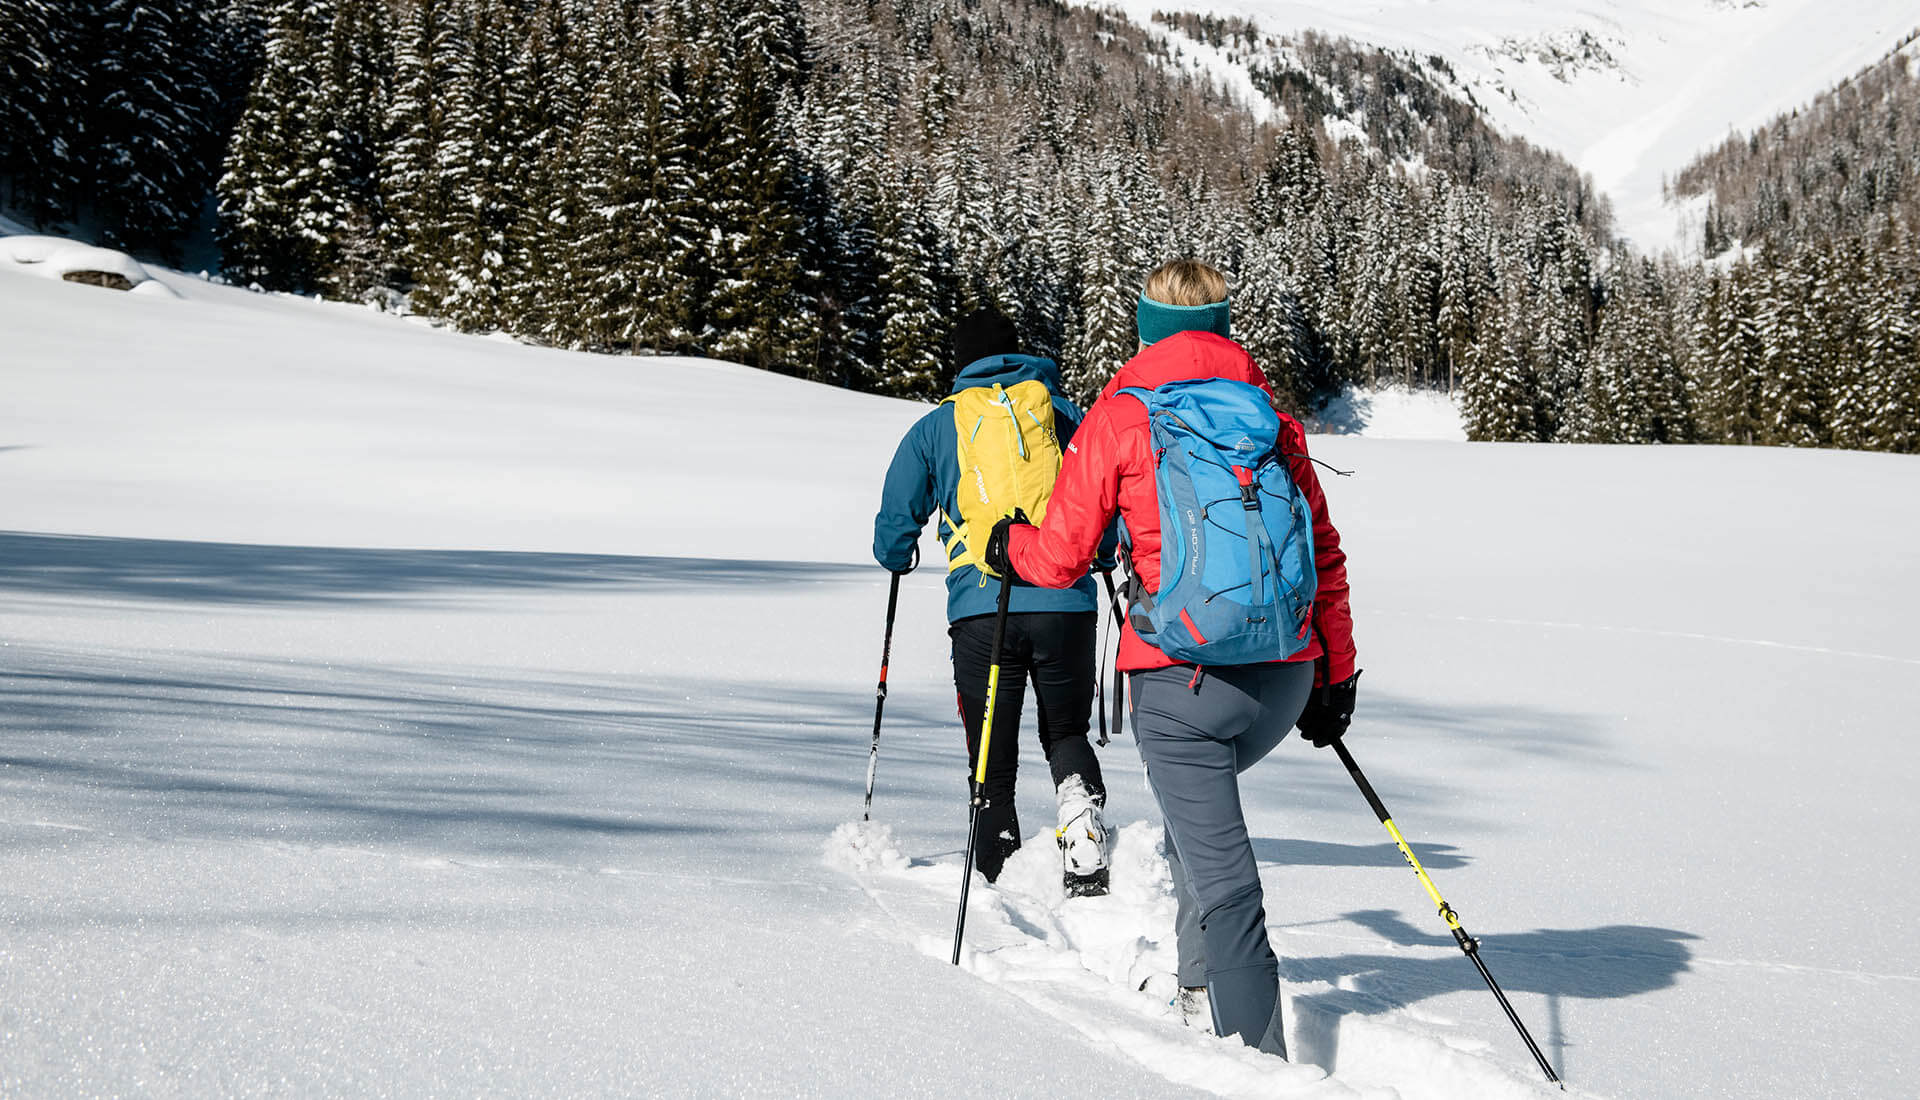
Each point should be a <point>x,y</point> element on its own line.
<point>907,497</point>
<point>1332,615</point>
<point>1069,417</point>
<point>1080,512</point>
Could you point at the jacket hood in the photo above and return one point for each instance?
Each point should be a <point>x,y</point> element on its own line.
<point>1006,370</point>
<point>1183,356</point>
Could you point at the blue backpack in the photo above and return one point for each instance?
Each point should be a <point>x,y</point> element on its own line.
<point>1236,536</point>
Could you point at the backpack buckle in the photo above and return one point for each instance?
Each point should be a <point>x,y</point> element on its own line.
<point>1249,493</point>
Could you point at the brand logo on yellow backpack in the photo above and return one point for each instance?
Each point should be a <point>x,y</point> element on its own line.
<point>1010,452</point>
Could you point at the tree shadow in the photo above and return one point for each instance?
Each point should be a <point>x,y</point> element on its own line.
<point>554,769</point>
<point>1616,960</point>
<point>221,573</point>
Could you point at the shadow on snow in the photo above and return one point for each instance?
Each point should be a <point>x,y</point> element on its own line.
<point>220,573</point>
<point>1616,960</point>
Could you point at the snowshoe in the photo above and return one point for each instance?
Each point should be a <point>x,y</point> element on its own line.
<point>1086,886</point>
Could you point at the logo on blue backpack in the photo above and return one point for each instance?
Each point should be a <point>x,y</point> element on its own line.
<point>1236,561</point>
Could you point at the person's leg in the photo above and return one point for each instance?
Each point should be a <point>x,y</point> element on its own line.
<point>999,835</point>
<point>1281,690</point>
<point>1063,660</point>
<point>1187,733</point>
<point>1189,941</point>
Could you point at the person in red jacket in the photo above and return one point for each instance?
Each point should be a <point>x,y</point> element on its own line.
<point>1197,728</point>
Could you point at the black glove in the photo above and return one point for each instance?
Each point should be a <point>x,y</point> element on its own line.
<point>1329,710</point>
<point>996,551</point>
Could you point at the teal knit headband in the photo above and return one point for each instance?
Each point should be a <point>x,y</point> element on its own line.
<point>1157,320</point>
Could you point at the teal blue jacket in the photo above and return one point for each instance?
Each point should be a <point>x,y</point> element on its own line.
<point>925,475</point>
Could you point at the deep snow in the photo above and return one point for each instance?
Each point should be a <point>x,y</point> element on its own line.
<point>391,711</point>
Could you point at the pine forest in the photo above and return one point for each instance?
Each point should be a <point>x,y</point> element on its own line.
<point>821,187</point>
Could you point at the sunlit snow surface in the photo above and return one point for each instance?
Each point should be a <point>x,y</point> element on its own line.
<point>390,712</point>
<point>1670,78</point>
<point>1390,413</point>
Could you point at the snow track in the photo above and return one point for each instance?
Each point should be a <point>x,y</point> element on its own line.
<point>1104,966</point>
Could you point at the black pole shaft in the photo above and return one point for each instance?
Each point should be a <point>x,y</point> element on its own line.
<point>880,695</point>
<point>1467,943</point>
<point>977,766</point>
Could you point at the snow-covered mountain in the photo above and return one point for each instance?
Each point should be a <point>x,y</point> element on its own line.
<point>384,711</point>
<point>1629,90</point>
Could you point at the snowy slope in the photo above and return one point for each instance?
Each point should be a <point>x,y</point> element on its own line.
<point>1628,90</point>
<point>384,711</point>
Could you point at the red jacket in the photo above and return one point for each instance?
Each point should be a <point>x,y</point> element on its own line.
<point>1109,467</point>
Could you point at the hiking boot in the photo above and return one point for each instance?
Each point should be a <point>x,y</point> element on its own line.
<point>1082,836</point>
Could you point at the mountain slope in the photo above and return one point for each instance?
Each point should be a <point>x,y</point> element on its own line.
<point>1629,90</point>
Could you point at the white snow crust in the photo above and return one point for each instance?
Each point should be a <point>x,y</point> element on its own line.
<point>389,712</point>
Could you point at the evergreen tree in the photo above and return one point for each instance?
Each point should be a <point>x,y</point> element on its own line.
<point>758,307</point>
<point>30,102</point>
<point>146,115</point>
<point>1497,387</point>
<point>276,221</point>
<point>916,308</point>
<point>419,173</point>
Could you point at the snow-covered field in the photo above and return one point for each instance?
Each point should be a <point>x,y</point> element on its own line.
<point>1391,412</point>
<point>1628,90</point>
<point>385,711</point>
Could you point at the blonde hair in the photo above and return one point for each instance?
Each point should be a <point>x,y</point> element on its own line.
<point>1186,283</point>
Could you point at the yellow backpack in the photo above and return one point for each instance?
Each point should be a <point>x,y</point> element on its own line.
<point>1009,456</point>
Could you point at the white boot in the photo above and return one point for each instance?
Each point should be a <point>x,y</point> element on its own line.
<point>1082,834</point>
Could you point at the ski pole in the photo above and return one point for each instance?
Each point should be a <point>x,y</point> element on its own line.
<point>979,776</point>
<point>880,694</point>
<point>1467,943</point>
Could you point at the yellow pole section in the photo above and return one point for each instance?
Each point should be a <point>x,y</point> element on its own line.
<point>986,725</point>
<point>1433,892</point>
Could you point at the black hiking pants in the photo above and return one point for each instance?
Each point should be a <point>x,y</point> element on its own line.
<point>1055,649</point>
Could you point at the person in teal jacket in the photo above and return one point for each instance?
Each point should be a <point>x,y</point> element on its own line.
<point>1050,632</point>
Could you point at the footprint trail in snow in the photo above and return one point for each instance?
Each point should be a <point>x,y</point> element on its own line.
<point>1105,965</point>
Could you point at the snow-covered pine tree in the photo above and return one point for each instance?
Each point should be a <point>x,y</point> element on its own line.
<point>483,204</point>
<point>1892,343</point>
<point>31,103</point>
<point>277,217</point>
<point>916,301</point>
<point>757,307</point>
<point>546,97</point>
<point>1270,322</point>
<point>355,83</point>
<point>417,174</point>
<point>147,109</point>
<point>1658,377</point>
<point>1740,359</point>
<point>1497,388</point>
<point>1110,273</point>
<point>1793,389</point>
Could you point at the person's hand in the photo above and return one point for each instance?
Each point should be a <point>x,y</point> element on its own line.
<point>996,551</point>
<point>1328,712</point>
<point>913,562</point>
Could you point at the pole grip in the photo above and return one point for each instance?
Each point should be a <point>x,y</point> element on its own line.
<point>1360,780</point>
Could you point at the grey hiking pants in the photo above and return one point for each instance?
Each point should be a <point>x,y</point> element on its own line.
<point>1197,736</point>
